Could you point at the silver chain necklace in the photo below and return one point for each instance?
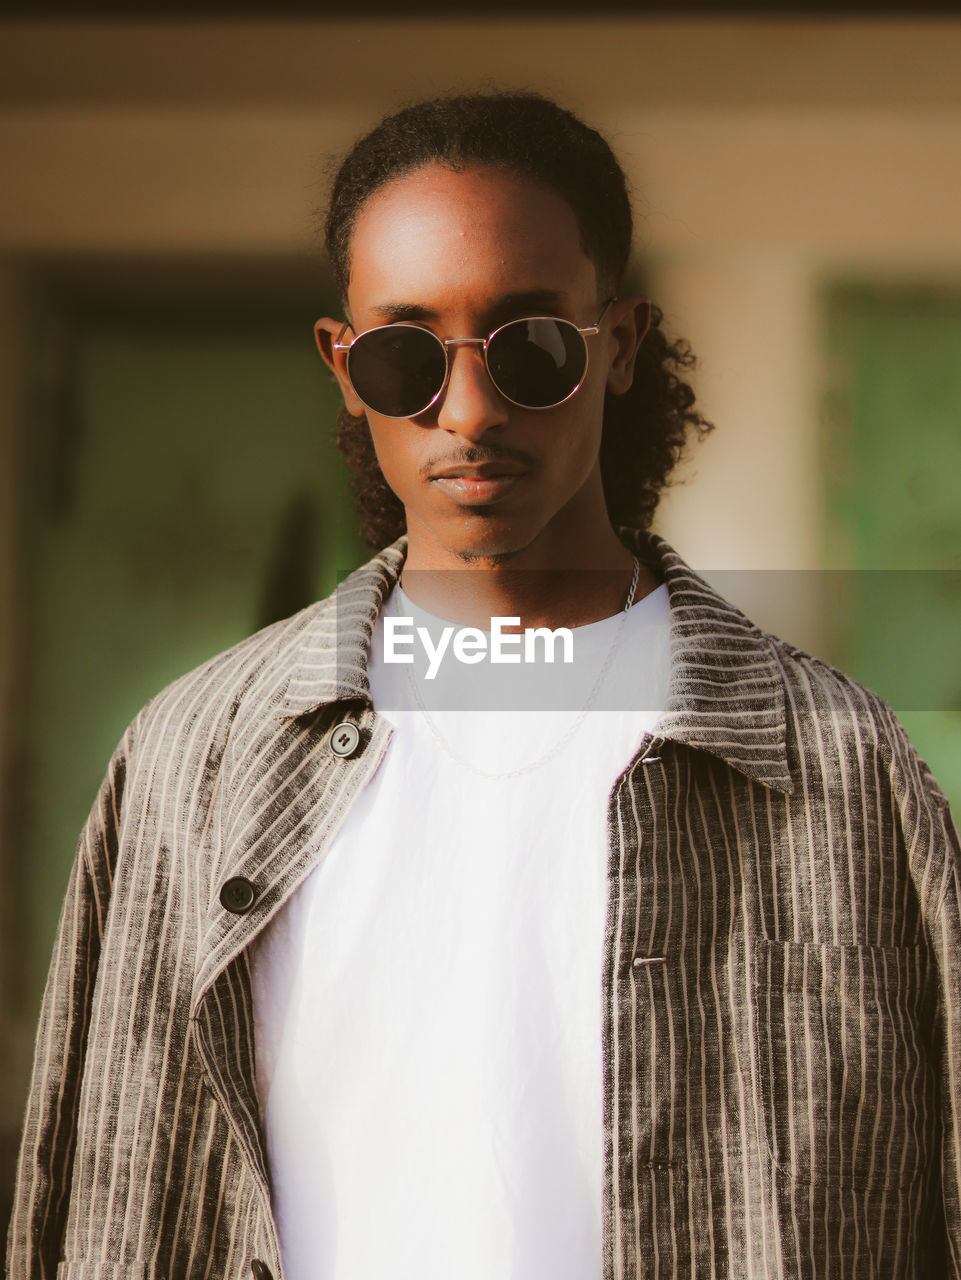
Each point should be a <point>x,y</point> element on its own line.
<point>562,742</point>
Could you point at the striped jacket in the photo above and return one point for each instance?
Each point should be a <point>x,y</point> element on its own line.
<point>780,1096</point>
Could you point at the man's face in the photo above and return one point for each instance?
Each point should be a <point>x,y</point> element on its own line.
<point>462,253</point>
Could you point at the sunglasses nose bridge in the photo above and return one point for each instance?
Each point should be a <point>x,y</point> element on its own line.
<point>470,402</point>
<point>467,342</point>
<point>471,342</point>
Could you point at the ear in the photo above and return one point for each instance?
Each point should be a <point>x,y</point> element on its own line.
<point>326,331</point>
<point>630,321</point>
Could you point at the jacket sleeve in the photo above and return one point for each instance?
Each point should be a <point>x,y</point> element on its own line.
<point>934,851</point>
<point>934,854</point>
<point>47,1149</point>
<point>947,942</point>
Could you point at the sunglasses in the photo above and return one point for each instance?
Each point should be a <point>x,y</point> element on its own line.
<point>399,370</point>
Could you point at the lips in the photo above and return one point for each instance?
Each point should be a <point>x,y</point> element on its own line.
<point>478,484</point>
<point>477,470</point>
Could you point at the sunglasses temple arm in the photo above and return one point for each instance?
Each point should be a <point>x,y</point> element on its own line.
<point>338,343</point>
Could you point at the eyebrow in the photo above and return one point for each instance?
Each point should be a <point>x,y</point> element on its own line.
<point>552,300</point>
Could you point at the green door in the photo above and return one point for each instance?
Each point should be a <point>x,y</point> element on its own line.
<point>183,490</point>
<point>893,469</point>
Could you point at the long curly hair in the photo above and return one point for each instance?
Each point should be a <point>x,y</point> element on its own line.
<point>646,429</point>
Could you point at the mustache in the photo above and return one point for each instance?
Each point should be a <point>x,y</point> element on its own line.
<point>475,456</point>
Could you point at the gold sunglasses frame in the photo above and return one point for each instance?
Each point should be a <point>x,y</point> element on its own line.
<point>587,331</point>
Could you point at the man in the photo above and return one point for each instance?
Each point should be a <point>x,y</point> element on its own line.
<point>658,976</point>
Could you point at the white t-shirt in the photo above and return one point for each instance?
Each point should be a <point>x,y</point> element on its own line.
<point>428,1003</point>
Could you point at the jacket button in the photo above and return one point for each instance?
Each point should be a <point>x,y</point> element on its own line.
<point>237,895</point>
<point>344,739</point>
<point>259,1270</point>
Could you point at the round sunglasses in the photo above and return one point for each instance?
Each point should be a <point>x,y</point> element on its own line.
<point>399,370</point>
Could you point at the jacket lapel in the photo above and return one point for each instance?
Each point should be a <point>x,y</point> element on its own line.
<point>726,693</point>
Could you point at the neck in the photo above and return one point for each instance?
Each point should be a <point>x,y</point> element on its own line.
<point>544,584</point>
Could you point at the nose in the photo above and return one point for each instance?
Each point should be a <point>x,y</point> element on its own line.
<point>470,404</point>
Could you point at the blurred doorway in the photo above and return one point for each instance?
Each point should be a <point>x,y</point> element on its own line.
<point>183,489</point>
<point>892,449</point>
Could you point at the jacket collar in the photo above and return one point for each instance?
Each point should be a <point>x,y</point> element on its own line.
<point>726,691</point>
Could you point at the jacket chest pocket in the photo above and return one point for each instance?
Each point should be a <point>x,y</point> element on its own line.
<point>845,1086</point>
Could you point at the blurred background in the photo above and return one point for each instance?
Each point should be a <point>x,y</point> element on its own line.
<point>168,479</point>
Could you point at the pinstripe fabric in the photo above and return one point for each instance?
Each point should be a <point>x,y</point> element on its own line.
<point>780,1095</point>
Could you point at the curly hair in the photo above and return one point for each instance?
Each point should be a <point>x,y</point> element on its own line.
<point>645,430</point>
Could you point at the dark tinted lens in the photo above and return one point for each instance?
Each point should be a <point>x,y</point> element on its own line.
<point>537,362</point>
<point>397,370</point>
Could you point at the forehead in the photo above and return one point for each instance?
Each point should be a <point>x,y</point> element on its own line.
<point>479,232</point>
